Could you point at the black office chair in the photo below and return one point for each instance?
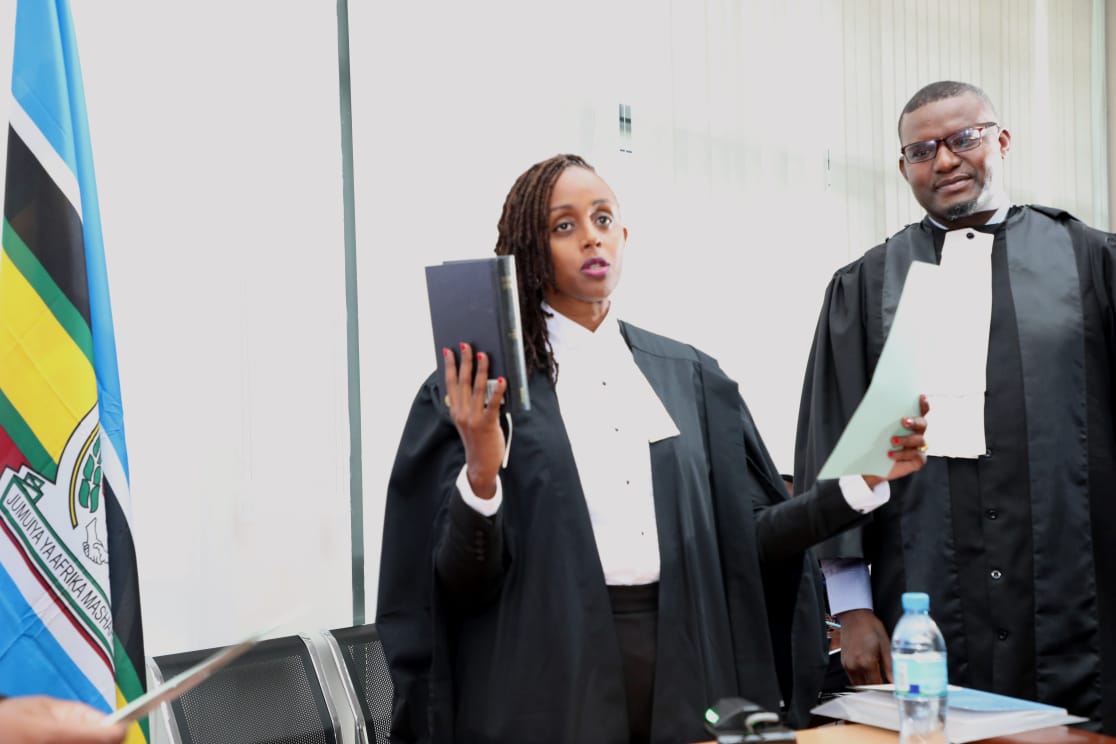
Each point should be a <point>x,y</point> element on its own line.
<point>273,694</point>
<point>359,656</point>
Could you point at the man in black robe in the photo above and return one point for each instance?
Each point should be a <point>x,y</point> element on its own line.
<point>740,609</point>
<point>1017,548</point>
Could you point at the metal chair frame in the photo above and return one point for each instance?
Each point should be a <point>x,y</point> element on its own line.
<point>316,661</point>
<point>348,689</point>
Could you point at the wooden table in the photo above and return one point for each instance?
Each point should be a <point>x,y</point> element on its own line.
<point>855,733</point>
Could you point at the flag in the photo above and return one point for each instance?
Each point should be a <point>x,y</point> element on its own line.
<point>69,600</point>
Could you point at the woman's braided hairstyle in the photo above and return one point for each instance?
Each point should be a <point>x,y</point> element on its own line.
<point>524,232</point>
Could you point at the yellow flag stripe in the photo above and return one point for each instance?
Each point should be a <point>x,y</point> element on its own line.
<point>129,686</point>
<point>135,733</point>
<point>43,373</point>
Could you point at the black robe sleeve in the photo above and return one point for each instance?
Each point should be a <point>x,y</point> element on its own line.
<point>469,558</point>
<point>789,527</point>
<point>835,382</point>
<point>786,527</point>
<point>428,461</point>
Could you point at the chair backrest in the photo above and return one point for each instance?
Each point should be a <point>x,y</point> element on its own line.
<point>360,657</point>
<point>273,693</point>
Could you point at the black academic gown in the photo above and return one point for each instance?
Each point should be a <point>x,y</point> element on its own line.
<point>517,644</point>
<point>1017,549</point>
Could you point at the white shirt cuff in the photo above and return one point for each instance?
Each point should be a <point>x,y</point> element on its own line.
<point>862,498</point>
<point>485,507</point>
<point>847,584</point>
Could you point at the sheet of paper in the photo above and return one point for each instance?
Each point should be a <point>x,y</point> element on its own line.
<point>889,687</point>
<point>895,387</point>
<point>938,345</point>
<point>978,700</point>
<point>877,707</point>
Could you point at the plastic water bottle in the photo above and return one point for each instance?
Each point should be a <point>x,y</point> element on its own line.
<point>918,664</point>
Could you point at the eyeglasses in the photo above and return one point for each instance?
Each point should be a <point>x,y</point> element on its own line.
<point>967,139</point>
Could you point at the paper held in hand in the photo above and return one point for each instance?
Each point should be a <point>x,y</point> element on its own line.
<point>937,346</point>
<point>895,387</point>
<point>972,714</point>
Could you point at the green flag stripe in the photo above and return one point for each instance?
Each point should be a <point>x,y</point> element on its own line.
<point>53,297</point>
<point>20,433</point>
<point>127,679</point>
<point>47,222</point>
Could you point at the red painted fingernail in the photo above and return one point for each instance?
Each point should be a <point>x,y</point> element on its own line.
<point>480,356</point>
<point>890,453</point>
<point>463,347</point>
<point>895,440</point>
<point>500,380</point>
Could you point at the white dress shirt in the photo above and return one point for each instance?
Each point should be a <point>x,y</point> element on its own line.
<point>611,415</point>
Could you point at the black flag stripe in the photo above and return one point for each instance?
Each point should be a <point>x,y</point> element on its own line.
<point>45,220</point>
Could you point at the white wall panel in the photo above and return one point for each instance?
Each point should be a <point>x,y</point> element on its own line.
<point>1034,59</point>
<point>218,153</point>
<point>215,133</point>
<point>1105,13</point>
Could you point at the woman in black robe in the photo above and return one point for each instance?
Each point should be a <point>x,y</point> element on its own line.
<point>512,607</point>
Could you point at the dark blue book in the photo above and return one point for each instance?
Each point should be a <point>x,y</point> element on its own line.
<point>476,302</point>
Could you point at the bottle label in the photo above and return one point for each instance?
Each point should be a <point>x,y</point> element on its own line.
<point>920,674</point>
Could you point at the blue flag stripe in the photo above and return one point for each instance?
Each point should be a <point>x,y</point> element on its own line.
<point>39,76</point>
<point>33,662</point>
<point>100,309</point>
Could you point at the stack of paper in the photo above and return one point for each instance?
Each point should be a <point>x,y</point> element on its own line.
<point>972,714</point>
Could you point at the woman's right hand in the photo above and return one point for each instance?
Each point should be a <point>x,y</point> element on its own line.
<point>478,424</point>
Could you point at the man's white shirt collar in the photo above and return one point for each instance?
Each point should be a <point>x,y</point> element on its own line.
<point>997,217</point>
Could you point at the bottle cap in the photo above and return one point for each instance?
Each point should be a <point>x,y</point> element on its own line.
<point>916,601</point>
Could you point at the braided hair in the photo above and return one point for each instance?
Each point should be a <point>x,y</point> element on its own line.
<point>524,232</point>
